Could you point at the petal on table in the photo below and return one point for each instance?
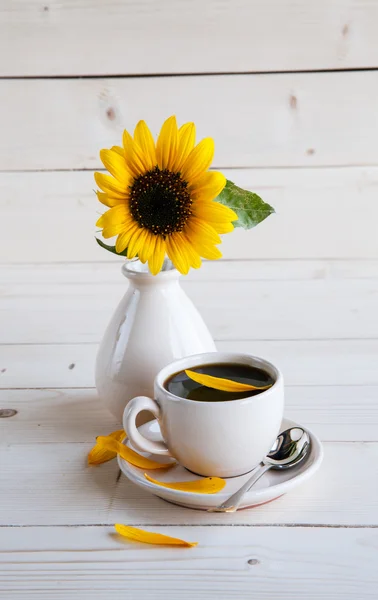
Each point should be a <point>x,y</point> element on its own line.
<point>147,537</point>
<point>99,455</point>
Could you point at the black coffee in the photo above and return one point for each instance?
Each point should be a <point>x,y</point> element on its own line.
<point>181,385</point>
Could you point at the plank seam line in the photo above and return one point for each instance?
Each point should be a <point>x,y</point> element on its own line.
<point>191,74</point>
<point>91,387</point>
<point>212,279</point>
<point>145,524</point>
<point>7,445</point>
<point>279,259</point>
<point>215,166</point>
<point>287,385</point>
<point>114,492</point>
<point>236,340</point>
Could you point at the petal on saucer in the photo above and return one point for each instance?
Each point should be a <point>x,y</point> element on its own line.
<point>207,485</point>
<point>130,455</point>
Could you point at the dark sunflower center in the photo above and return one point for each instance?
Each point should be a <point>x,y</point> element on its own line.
<point>160,201</point>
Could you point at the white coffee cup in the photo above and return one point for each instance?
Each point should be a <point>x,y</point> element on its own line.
<point>222,439</point>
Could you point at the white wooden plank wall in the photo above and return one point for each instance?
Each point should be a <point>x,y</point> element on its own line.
<point>321,213</point>
<point>257,120</point>
<point>289,92</point>
<point>189,36</point>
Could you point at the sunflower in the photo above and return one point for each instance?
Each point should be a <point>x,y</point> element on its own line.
<point>161,197</point>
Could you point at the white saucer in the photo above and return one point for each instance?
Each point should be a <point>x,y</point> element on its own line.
<point>272,484</point>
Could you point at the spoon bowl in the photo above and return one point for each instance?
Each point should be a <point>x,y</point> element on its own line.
<point>290,449</point>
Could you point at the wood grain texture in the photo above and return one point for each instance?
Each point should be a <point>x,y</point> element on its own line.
<point>67,121</point>
<point>108,271</point>
<point>228,563</point>
<point>50,484</point>
<point>309,305</point>
<point>329,362</point>
<point>246,309</point>
<point>61,38</point>
<point>320,213</point>
<point>335,413</point>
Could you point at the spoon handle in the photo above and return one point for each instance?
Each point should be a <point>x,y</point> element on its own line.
<point>232,503</point>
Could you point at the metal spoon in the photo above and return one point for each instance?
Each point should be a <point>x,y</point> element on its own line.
<point>290,448</point>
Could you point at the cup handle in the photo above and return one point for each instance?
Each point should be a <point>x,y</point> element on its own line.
<point>133,408</point>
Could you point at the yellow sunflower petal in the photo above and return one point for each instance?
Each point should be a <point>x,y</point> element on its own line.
<point>214,212</point>
<point>136,242</point>
<point>155,262</point>
<point>208,186</point>
<point>219,217</point>
<point>144,139</point>
<point>222,384</point>
<point>176,255</point>
<point>152,244</point>
<point>108,443</point>
<point>147,537</point>
<point>207,485</point>
<point>97,455</point>
<point>124,237</point>
<point>194,257</point>
<point>166,147</point>
<point>145,250</point>
<point>135,159</point>
<point>187,249</point>
<point>113,222</point>
<point>112,230</point>
<point>186,141</point>
<point>128,142</point>
<point>205,250</point>
<point>223,227</point>
<point>201,230</point>
<point>115,215</point>
<point>116,165</point>
<point>111,185</point>
<point>210,252</point>
<point>199,160</point>
<point>119,150</point>
<point>107,200</point>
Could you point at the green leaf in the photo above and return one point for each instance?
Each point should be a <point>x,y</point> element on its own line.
<point>249,207</point>
<point>111,248</point>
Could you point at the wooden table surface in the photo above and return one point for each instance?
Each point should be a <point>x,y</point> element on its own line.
<point>288,90</point>
<point>315,319</point>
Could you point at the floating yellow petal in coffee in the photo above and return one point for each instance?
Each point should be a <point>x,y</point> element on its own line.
<point>130,455</point>
<point>99,455</point>
<point>147,537</point>
<point>223,385</point>
<point>207,485</point>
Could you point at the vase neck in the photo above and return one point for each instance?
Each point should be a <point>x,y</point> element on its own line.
<point>139,275</point>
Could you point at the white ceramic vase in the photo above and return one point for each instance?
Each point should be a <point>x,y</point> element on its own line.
<point>154,324</point>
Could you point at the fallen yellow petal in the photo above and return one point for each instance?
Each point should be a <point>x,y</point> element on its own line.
<point>223,385</point>
<point>130,455</point>
<point>139,535</point>
<point>99,455</point>
<point>207,485</point>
